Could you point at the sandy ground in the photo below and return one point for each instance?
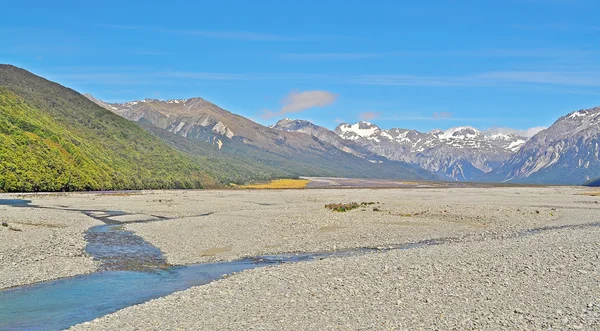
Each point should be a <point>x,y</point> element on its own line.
<point>384,290</point>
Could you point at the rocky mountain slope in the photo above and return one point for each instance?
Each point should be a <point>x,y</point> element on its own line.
<point>54,139</point>
<point>565,153</point>
<point>296,152</point>
<point>462,153</point>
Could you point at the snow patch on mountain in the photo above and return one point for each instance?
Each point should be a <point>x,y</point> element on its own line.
<point>360,129</point>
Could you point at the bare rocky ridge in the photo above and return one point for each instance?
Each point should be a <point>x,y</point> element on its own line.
<point>192,117</point>
<point>327,136</point>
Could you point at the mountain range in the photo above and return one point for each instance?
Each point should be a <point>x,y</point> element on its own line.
<point>565,153</point>
<point>296,153</point>
<point>53,138</point>
<point>462,154</point>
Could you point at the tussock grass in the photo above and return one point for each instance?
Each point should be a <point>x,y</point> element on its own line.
<point>280,184</point>
<point>344,207</point>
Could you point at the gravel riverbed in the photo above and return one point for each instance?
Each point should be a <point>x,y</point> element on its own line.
<point>484,276</point>
<point>547,281</point>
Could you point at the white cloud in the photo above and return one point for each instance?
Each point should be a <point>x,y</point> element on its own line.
<point>525,133</point>
<point>299,101</point>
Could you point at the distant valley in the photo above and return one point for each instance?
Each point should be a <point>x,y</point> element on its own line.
<point>298,154</point>
<point>565,153</point>
<point>55,139</point>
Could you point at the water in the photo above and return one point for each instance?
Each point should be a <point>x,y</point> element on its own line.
<point>117,249</point>
<point>59,304</point>
<point>14,202</point>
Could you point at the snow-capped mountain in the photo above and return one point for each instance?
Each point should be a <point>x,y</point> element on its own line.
<point>321,133</point>
<point>565,153</point>
<point>462,153</point>
<point>327,136</point>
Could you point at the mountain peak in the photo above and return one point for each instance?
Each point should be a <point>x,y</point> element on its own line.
<point>360,129</point>
<point>461,132</point>
<point>288,124</point>
<point>584,113</point>
<point>565,153</point>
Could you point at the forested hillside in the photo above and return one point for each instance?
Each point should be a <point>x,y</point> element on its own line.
<point>54,139</point>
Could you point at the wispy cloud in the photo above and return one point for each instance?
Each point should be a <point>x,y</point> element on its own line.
<point>217,34</point>
<point>559,27</point>
<point>573,79</point>
<point>542,77</point>
<point>369,116</point>
<point>442,115</point>
<point>108,78</point>
<point>483,53</point>
<point>495,78</point>
<point>521,132</point>
<point>299,101</point>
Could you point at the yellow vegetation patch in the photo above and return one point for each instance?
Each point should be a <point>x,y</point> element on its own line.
<point>280,183</point>
<point>59,147</point>
<point>592,194</point>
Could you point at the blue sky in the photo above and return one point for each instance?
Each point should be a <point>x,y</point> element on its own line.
<point>423,65</point>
